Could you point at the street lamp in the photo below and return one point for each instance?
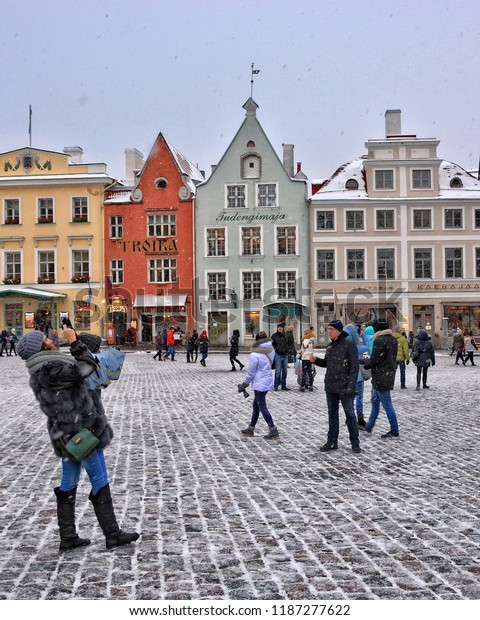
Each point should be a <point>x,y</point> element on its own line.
<point>234,298</point>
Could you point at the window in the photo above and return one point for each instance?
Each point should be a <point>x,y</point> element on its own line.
<point>355,220</point>
<point>456,182</point>
<point>453,262</point>
<point>80,209</point>
<point>116,270</point>
<point>215,241</point>
<point>251,240</point>
<point>385,219</point>
<point>13,315</point>
<point>355,264</point>
<point>325,220</point>
<point>423,262</point>
<point>422,218</point>
<point>13,267</point>
<point>162,270</point>
<point>161,183</point>
<point>82,316</point>
<point>477,262</point>
<point>286,240</point>
<point>46,266</point>
<point>252,285</point>
<point>384,179</point>
<point>325,264</point>
<point>477,218</point>
<point>453,218</point>
<point>162,225</point>
<point>267,195</point>
<point>236,196</point>
<point>217,286</point>
<point>80,263</point>
<point>386,264</point>
<point>286,284</point>
<point>421,179</point>
<point>351,184</point>
<point>45,210</point>
<point>116,227</point>
<point>11,213</point>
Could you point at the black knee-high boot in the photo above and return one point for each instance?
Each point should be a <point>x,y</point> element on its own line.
<point>103,506</point>
<point>69,539</point>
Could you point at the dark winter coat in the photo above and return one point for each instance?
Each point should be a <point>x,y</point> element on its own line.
<point>291,343</point>
<point>59,385</point>
<point>280,343</point>
<point>192,343</point>
<point>383,360</point>
<point>234,343</point>
<point>423,353</point>
<point>341,362</point>
<point>203,343</point>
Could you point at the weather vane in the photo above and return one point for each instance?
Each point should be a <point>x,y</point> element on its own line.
<point>254,72</point>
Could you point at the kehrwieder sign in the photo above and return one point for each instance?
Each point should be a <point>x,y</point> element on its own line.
<point>150,245</point>
<point>249,217</point>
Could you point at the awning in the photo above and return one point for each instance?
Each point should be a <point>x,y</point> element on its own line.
<point>31,293</point>
<point>159,301</point>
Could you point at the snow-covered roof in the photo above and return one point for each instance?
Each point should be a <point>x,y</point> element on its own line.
<point>194,175</point>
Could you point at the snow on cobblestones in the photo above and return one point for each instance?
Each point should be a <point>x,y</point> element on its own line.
<point>224,516</point>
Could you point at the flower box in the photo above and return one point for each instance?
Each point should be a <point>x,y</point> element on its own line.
<point>81,278</point>
<point>11,280</point>
<point>46,280</point>
<point>80,218</point>
<point>12,220</point>
<point>45,220</point>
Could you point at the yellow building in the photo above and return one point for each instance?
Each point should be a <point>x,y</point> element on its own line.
<point>51,240</point>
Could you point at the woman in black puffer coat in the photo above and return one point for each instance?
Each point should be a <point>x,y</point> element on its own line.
<point>234,350</point>
<point>423,356</point>
<point>59,385</point>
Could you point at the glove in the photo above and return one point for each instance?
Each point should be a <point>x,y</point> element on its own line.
<point>242,387</point>
<point>407,362</point>
<point>348,394</point>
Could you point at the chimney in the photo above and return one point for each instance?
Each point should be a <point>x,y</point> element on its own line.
<point>393,123</point>
<point>299,166</point>
<point>133,163</point>
<point>288,158</point>
<point>75,152</point>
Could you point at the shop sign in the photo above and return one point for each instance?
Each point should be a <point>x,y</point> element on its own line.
<point>150,245</point>
<point>249,217</point>
<point>446,287</point>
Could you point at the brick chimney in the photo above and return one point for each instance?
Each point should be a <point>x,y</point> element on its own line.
<point>288,158</point>
<point>133,163</point>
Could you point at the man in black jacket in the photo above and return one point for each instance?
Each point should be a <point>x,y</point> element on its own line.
<point>341,362</point>
<point>383,364</point>
<point>280,345</point>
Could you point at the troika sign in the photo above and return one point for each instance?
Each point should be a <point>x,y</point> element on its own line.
<point>150,245</point>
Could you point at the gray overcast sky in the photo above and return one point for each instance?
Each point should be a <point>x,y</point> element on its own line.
<point>108,75</point>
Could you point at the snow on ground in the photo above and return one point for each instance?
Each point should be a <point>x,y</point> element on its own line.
<point>227,517</point>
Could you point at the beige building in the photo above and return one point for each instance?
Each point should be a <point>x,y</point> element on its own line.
<point>51,240</point>
<point>396,234</point>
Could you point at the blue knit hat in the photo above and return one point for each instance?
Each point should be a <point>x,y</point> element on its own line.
<point>336,324</point>
<point>30,344</point>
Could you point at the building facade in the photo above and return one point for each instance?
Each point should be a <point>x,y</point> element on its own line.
<point>252,230</point>
<point>395,234</point>
<point>51,240</point>
<point>149,245</point>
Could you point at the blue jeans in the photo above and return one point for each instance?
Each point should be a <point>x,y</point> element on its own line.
<point>170,351</point>
<point>402,367</point>
<point>385,399</point>
<point>94,466</point>
<point>333,402</point>
<point>260,406</point>
<point>359,398</point>
<point>281,362</point>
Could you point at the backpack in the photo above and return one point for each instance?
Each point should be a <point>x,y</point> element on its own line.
<point>111,360</point>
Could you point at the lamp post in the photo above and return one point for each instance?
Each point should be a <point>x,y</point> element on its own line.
<point>234,298</point>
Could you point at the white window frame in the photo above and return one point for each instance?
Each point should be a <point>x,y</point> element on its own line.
<point>4,261</point>
<point>453,246</point>
<point>72,274</point>
<point>474,227</point>
<point>172,267</point>
<point>82,207</point>
<point>53,207</point>
<point>444,213</point>
<point>276,272</point>
<point>245,189</point>
<point>170,222</point>
<point>335,266</point>
<point>424,246</point>
<point>376,210</point>
<point>475,249</point>
<point>350,230</point>
<point>395,266</point>
<point>412,186</point>
<point>257,197</point>
<point>365,264</point>
<point>384,189</point>
<point>206,254</point>
<point>277,226</point>
<point>37,261</point>
<point>4,213</point>
<point>240,232</point>
<point>117,270</point>
<point>207,290</point>
<point>116,225</point>
<point>326,230</point>
<point>413,218</point>
<point>260,271</point>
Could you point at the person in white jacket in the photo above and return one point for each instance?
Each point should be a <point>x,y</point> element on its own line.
<point>306,351</point>
<point>259,375</point>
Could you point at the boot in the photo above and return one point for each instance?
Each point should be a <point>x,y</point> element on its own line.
<point>242,366</point>
<point>69,539</point>
<point>272,433</point>
<point>103,506</point>
<point>248,431</point>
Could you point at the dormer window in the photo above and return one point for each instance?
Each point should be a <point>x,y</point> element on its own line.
<point>351,184</point>
<point>161,183</point>
<point>456,182</point>
<point>250,144</point>
<point>251,167</point>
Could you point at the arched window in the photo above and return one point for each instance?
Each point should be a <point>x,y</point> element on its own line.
<point>456,182</point>
<point>251,144</point>
<point>351,184</point>
<point>161,183</point>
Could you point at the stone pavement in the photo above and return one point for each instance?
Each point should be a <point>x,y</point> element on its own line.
<point>228,517</point>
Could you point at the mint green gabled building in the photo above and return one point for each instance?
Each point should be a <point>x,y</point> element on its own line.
<point>252,248</point>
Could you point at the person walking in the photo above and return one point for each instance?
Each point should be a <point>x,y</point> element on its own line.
<point>292,351</point>
<point>259,374</point>
<point>170,345</point>
<point>194,340</point>
<point>158,346</point>
<point>234,351</point>
<point>281,348</point>
<point>3,342</point>
<point>362,349</point>
<point>58,383</point>
<point>341,362</point>
<point>423,356</point>
<point>470,348</point>
<point>189,347</point>
<point>382,363</point>
<point>459,344</point>
<point>13,341</point>
<point>306,351</point>
<point>403,355</point>
<point>203,344</point>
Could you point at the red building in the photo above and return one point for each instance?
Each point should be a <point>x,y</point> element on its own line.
<point>150,244</point>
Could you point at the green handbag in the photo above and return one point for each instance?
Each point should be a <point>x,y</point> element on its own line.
<point>82,444</point>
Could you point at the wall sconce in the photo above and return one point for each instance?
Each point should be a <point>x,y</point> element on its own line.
<point>234,298</point>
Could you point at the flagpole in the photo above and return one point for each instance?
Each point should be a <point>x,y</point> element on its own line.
<point>30,125</point>
<point>254,72</point>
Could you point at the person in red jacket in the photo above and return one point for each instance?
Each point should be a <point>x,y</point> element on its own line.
<point>170,345</point>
